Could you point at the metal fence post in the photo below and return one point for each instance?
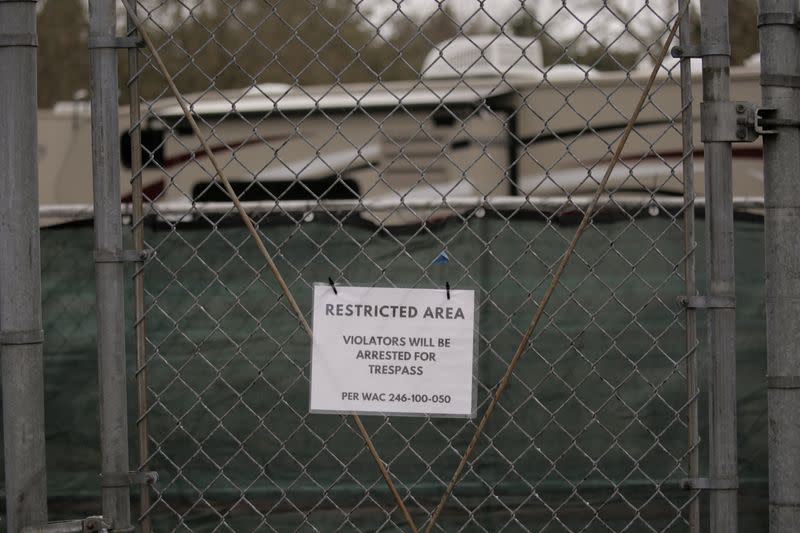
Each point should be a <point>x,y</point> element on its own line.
<point>780,48</point>
<point>689,267</point>
<point>20,271</point>
<point>138,279</point>
<point>715,46</point>
<point>108,264</point>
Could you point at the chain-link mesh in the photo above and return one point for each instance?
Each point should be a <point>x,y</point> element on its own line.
<point>361,156</point>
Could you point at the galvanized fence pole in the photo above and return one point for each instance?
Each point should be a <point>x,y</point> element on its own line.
<point>720,285</point>
<point>108,265</point>
<point>20,272</point>
<point>780,72</point>
<point>138,279</point>
<point>689,266</point>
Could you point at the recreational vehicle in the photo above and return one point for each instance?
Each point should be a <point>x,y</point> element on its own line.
<point>485,121</point>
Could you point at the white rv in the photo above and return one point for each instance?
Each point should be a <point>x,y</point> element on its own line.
<point>484,120</point>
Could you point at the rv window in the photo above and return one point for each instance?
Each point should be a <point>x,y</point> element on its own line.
<point>444,119</point>
<point>152,148</point>
<point>331,188</point>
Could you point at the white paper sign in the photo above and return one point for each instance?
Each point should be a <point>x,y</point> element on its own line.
<point>393,351</point>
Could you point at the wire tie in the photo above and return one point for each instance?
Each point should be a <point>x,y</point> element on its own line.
<point>447,286</point>
<point>330,282</point>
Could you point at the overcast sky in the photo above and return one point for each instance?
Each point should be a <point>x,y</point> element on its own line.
<point>563,19</point>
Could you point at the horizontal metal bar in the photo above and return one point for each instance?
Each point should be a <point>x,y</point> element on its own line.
<point>783,382</point>
<point>533,203</point>
<point>9,338</point>
<point>65,526</point>
<point>92,524</point>
<point>104,41</point>
<point>695,51</point>
<point>708,302</point>
<point>771,123</point>
<point>123,256</point>
<point>705,483</point>
<point>24,40</point>
<point>126,479</point>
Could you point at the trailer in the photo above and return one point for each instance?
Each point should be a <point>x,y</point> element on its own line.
<point>484,121</point>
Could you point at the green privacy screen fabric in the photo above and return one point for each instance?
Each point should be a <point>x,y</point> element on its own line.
<point>590,434</point>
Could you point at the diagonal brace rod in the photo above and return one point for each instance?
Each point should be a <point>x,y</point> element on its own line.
<point>261,247</point>
<point>587,217</point>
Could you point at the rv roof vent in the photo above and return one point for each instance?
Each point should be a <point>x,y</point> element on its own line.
<point>72,108</point>
<point>484,55</point>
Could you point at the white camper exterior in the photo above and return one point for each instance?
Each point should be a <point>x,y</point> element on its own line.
<point>483,121</point>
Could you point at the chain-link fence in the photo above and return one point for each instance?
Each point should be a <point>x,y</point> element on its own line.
<point>72,440</point>
<point>365,140</point>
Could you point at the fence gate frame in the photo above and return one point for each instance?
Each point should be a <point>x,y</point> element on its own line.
<point>110,257</point>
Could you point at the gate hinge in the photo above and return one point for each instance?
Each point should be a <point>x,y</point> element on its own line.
<point>707,483</point>
<point>127,479</point>
<point>735,121</point>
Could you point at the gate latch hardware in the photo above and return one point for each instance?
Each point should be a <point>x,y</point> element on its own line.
<point>94,524</point>
<point>708,302</point>
<point>707,483</point>
<point>735,121</point>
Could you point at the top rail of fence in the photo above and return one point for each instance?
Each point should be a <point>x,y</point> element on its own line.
<point>549,204</point>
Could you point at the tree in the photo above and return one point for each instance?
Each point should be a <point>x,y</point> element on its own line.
<point>525,24</point>
<point>554,52</point>
<point>226,45</point>
<point>414,36</point>
<point>63,58</point>
<point>743,32</point>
